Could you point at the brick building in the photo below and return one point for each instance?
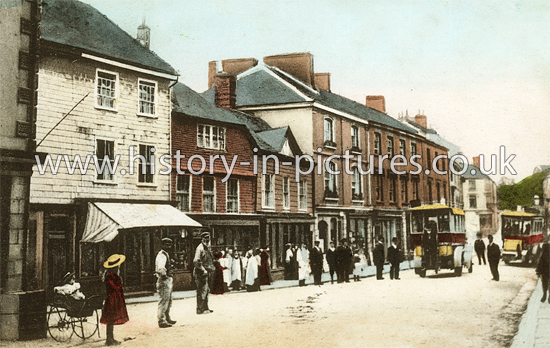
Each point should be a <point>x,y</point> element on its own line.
<point>285,91</point>
<point>243,208</point>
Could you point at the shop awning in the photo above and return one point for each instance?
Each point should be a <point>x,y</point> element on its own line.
<point>106,219</point>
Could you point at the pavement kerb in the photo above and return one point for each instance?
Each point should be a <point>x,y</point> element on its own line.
<point>368,271</point>
<point>525,337</point>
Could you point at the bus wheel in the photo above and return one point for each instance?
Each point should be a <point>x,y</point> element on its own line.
<point>471,268</point>
<point>422,273</point>
<point>458,271</point>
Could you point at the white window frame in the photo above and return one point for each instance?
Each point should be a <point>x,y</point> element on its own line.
<point>332,134</point>
<point>302,205</point>
<point>391,149</point>
<point>210,137</point>
<point>155,98</point>
<point>403,149</point>
<point>357,179</point>
<point>470,201</point>
<point>333,178</point>
<point>413,145</point>
<point>182,193</point>
<point>377,143</point>
<point>265,192</point>
<point>97,95</point>
<point>147,165</point>
<point>214,203</point>
<point>286,194</point>
<point>227,197</point>
<point>112,160</point>
<point>357,137</point>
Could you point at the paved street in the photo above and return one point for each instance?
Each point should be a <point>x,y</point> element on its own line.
<point>436,311</point>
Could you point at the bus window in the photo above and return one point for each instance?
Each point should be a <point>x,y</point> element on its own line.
<point>444,223</point>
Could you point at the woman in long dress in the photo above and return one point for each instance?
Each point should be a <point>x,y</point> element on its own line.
<point>114,309</point>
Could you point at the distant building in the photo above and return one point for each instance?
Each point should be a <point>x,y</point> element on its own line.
<point>480,201</point>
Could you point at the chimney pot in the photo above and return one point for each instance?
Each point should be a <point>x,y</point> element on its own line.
<point>144,35</point>
<point>376,102</point>
<point>476,161</point>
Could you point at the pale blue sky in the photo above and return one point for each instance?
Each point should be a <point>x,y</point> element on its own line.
<point>480,70</point>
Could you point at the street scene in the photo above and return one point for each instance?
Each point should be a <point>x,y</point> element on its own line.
<point>439,310</point>
<point>310,174</point>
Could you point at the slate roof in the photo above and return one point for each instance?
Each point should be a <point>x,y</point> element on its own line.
<point>79,25</point>
<point>188,102</point>
<point>275,137</point>
<point>261,87</point>
<point>477,175</point>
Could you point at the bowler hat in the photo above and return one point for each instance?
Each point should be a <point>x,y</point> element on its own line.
<point>205,235</point>
<point>166,240</point>
<point>67,277</point>
<point>114,260</point>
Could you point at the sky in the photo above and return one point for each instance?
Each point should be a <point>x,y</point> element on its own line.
<point>479,70</point>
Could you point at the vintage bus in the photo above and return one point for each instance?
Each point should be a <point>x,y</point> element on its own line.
<point>437,234</point>
<point>522,237</point>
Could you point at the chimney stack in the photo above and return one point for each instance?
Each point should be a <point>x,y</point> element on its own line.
<point>225,90</point>
<point>299,65</point>
<point>322,80</point>
<point>231,66</point>
<point>421,120</point>
<point>144,34</point>
<point>476,161</point>
<point>376,102</point>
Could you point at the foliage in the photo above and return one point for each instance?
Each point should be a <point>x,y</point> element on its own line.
<point>510,196</point>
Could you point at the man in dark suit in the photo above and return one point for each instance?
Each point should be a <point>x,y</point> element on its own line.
<point>331,261</point>
<point>394,257</point>
<point>343,260</point>
<point>379,258</point>
<point>316,263</point>
<point>479,247</point>
<point>493,255</point>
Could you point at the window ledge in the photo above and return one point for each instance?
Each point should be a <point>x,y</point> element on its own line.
<point>105,182</point>
<point>329,147</point>
<point>210,149</point>
<point>357,202</point>
<point>99,107</point>
<point>147,115</point>
<point>144,184</point>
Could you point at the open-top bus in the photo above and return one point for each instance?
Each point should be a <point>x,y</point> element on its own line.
<point>522,236</point>
<point>438,236</point>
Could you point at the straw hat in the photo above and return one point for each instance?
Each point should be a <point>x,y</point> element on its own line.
<point>114,260</point>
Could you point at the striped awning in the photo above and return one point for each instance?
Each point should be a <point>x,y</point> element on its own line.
<point>105,220</point>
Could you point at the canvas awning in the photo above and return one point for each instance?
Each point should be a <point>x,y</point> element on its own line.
<point>106,219</point>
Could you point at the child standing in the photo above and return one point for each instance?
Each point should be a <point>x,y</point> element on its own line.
<point>114,310</point>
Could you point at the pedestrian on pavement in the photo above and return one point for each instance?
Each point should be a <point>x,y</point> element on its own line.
<point>343,260</point>
<point>252,272</point>
<point>228,268</point>
<point>357,267</point>
<point>379,259</point>
<point>204,267</point>
<point>493,256</point>
<point>479,247</point>
<point>218,281</point>
<point>543,271</point>
<point>114,309</point>
<point>164,270</point>
<point>303,264</point>
<point>288,261</point>
<point>295,266</point>
<point>316,263</point>
<point>394,257</point>
<point>237,271</point>
<point>265,271</point>
<point>331,261</point>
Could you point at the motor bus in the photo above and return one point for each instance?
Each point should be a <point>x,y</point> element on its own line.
<point>438,235</point>
<point>522,237</point>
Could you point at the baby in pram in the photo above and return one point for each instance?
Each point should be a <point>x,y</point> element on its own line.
<point>70,288</point>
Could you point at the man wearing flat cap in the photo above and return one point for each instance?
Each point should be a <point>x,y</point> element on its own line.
<point>204,267</point>
<point>164,273</point>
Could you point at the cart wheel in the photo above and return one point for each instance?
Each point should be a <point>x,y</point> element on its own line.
<point>471,268</point>
<point>422,273</point>
<point>458,271</point>
<point>59,324</point>
<point>86,327</point>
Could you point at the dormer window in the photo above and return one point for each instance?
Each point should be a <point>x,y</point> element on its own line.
<point>211,137</point>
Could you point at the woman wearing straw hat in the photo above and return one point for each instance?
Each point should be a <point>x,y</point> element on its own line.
<point>114,310</point>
